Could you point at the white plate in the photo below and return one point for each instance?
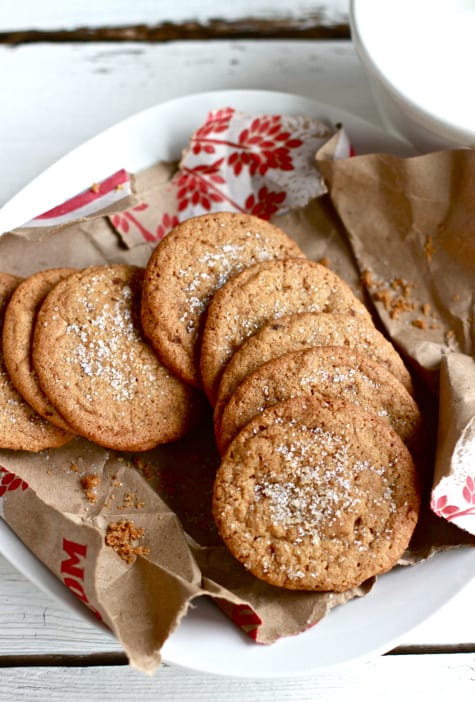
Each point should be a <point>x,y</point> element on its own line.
<point>206,640</point>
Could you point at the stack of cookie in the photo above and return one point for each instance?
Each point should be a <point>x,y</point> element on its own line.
<point>74,361</point>
<point>313,410</point>
<point>313,407</point>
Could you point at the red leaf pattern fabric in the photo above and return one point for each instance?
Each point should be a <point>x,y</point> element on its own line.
<point>166,224</point>
<point>458,506</point>
<point>247,619</point>
<point>10,482</point>
<point>105,194</point>
<point>272,155</point>
<point>128,220</point>
<point>262,165</point>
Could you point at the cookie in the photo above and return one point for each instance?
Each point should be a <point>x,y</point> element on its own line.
<point>97,369</point>
<point>261,294</point>
<point>329,372</point>
<point>18,325</point>
<point>21,428</point>
<point>187,267</point>
<point>316,496</point>
<point>301,331</point>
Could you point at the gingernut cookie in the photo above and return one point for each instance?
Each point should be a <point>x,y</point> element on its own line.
<point>316,496</point>
<point>18,325</point>
<point>195,259</point>
<point>328,372</point>
<point>261,294</point>
<point>21,428</point>
<point>96,368</point>
<point>303,330</point>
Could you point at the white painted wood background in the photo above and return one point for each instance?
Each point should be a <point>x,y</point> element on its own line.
<point>54,14</point>
<point>55,96</point>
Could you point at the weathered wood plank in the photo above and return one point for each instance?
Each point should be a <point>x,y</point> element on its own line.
<point>49,15</point>
<point>34,624</point>
<point>246,28</point>
<point>388,679</point>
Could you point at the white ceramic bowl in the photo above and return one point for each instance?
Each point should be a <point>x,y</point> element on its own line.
<point>420,58</point>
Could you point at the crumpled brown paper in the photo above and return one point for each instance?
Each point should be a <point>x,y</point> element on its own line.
<point>411,226</point>
<point>167,491</point>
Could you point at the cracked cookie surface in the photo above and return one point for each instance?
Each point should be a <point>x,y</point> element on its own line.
<point>193,261</point>
<point>296,332</point>
<point>21,428</point>
<point>18,327</point>
<point>328,372</point>
<point>96,368</point>
<point>261,294</point>
<point>316,496</point>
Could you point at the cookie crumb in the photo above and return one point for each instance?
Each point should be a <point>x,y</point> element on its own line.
<point>89,483</point>
<point>384,296</point>
<point>123,538</point>
<point>74,468</point>
<point>130,501</point>
<point>419,323</point>
<point>367,279</point>
<point>95,187</point>
<point>394,295</point>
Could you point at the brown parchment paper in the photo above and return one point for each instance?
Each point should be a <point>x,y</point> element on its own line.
<point>167,491</point>
<point>411,226</point>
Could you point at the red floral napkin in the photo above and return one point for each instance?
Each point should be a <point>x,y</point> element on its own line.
<point>263,165</point>
<point>98,197</point>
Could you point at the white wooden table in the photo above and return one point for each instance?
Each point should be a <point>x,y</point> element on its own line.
<point>56,95</point>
